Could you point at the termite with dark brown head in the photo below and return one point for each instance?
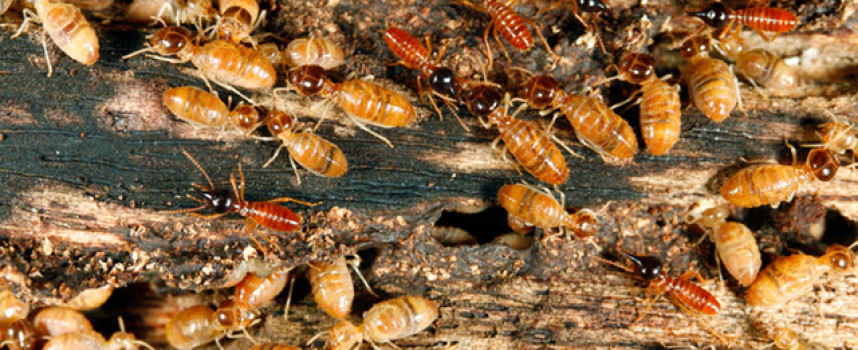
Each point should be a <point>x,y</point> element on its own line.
<point>540,209</point>
<point>266,214</point>
<point>314,153</point>
<point>761,19</point>
<point>734,242</point>
<point>413,55</point>
<point>712,86</point>
<point>67,27</point>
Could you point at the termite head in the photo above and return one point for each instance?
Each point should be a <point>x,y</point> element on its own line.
<point>694,46</point>
<point>245,117</point>
<point>344,336</point>
<point>713,217</point>
<point>584,224</point>
<point>219,200</point>
<point>647,267</point>
<point>482,100</point>
<point>823,164</point>
<point>231,315</point>
<point>278,122</point>
<point>308,80</point>
<point>637,67</point>
<point>838,136</point>
<point>715,15</point>
<point>443,81</point>
<point>540,91</point>
<point>840,259</point>
<point>233,24</point>
<point>170,41</point>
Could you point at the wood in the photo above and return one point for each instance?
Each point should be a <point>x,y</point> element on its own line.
<point>89,158</point>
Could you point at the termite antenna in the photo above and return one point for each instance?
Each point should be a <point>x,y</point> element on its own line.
<point>197,164</point>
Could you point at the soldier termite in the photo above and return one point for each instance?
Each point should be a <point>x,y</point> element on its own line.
<point>760,19</point>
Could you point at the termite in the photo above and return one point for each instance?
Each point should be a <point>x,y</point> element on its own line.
<point>734,242</point>
<point>761,19</point>
<point>712,86</point>
<point>837,136</point>
<point>170,11</point>
<point>770,184</point>
<point>256,291</point>
<point>56,320</point>
<point>413,55</point>
<point>266,214</point>
<point>758,66</point>
<point>530,146</point>
<point>386,321</point>
<point>67,27</point>
<point>451,236</point>
<point>11,308</point>
<point>684,293</point>
<point>542,210</point>
<point>508,24</point>
<point>238,18</point>
<point>313,52</point>
<point>201,324</point>
<point>18,335</point>
<point>202,108</point>
<point>332,286</point>
<point>363,101</point>
<point>91,298</point>
<point>91,340</point>
<point>314,153</point>
<point>514,240</point>
<point>660,115</point>
<point>595,125</point>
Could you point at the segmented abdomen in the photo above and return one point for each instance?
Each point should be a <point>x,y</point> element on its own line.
<point>534,151</point>
<point>712,86</point>
<point>409,50</point>
<point>332,287</point>
<point>510,25</point>
<point>783,280</point>
<point>196,106</point>
<point>67,27</point>
<point>766,19</point>
<point>660,116</point>
<point>599,127</point>
<point>235,65</point>
<point>318,155</point>
<point>689,294</point>
<point>373,103</point>
<point>763,184</point>
<point>531,205</point>
<point>765,68</point>
<point>738,251</point>
<point>269,215</point>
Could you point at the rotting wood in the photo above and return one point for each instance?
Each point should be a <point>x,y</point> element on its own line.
<point>90,155</point>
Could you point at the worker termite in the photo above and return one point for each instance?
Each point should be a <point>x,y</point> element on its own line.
<point>508,24</point>
<point>788,339</point>
<point>67,27</point>
<point>332,286</point>
<point>224,62</point>
<point>514,240</point>
<point>757,66</point>
<point>91,298</point>
<point>266,214</point>
<point>198,107</point>
<point>238,18</point>
<point>314,153</point>
<point>530,146</point>
<point>540,209</point>
<point>734,242</point>
<point>255,291</point>
<point>363,101</point>
<point>11,308</point>
<point>386,321</point>
<point>595,125</point>
<point>838,136</point>
<point>770,184</point>
<point>712,86</point>
<point>201,324</point>
<point>685,294</point>
<point>451,236</point>
<point>760,19</point>
<point>56,320</point>
<point>18,335</point>
<point>660,115</point>
<point>88,339</point>
<point>176,12</point>
<point>413,55</point>
<point>313,52</point>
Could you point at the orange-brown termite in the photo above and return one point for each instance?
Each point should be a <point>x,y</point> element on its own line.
<point>595,125</point>
<point>67,27</point>
<point>734,242</point>
<point>789,277</point>
<point>314,153</point>
<point>770,184</point>
<point>56,320</point>
<point>530,145</point>
<point>712,86</point>
<point>313,52</point>
<point>332,286</point>
<point>414,55</point>
<point>540,209</point>
<point>202,108</point>
<point>660,115</point>
<point>760,19</point>
<point>238,18</point>
<point>266,214</point>
<point>452,236</point>
<point>88,339</point>
<point>838,136</point>
<point>758,66</point>
<point>508,24</point>
<point>91,298</point>
<point>364,102</point>
<point>384,322</point>
<point>255,291</point>
<point>201,324</point>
